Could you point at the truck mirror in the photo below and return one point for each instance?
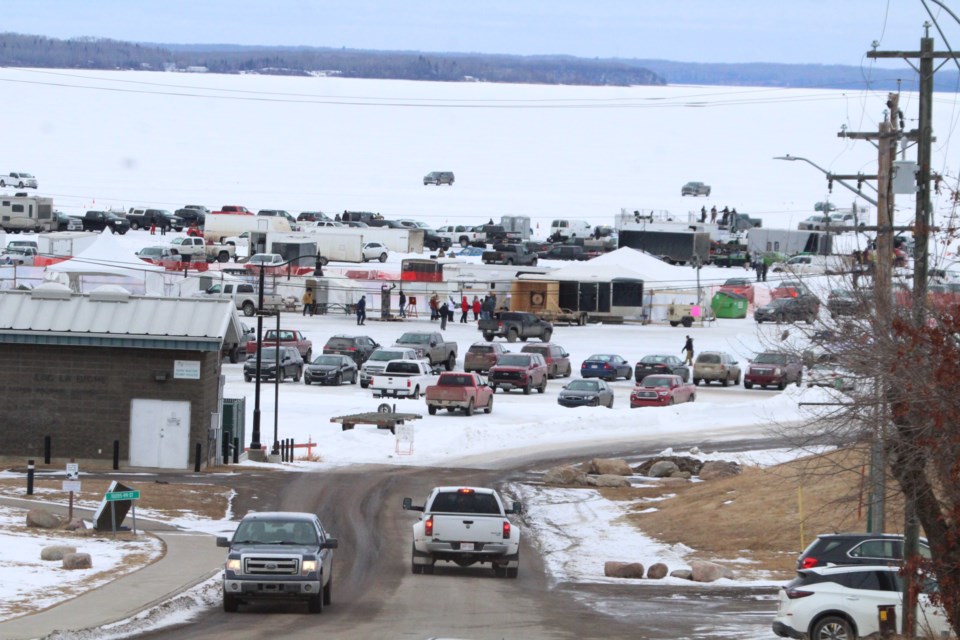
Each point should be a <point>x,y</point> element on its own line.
<point>433,344</point>
<point>517,508</point>
<point>223,542</point>
<point>330,543</point>
<point>407,503</point>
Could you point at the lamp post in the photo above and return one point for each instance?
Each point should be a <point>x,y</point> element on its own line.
<point>829,175</point>
<point>255,444</point>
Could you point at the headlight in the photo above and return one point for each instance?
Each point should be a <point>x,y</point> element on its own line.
<point>233,565</point>
<point>777,371</point>
<point>590,398</point>
<point>663,393</point>
<point>308,566</point>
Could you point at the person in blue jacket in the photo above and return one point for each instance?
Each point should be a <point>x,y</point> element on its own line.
<point>362,310</point>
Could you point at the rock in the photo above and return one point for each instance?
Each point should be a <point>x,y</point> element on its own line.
<point>683,475</point>
<point>694,451</point>
<point>608,481</point>
<point>663,469</point>
<point>74,525</point>
<point>683,463</point>
<point>703,571</point>
<point>682,574</point>
<point>564,475</point>
<point>77,561</point>
<point>657,571</point>
<point>614,569</point>
<point>42,519</point>
<point>714,469</point>
<point>610,466</point>
<point>56,552</point>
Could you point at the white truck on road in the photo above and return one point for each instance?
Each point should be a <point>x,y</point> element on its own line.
<point>465,525</point>
<point>403,379</point>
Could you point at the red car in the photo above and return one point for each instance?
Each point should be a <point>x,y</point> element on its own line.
<point>659,391</point>
<point>741,286</point>
<point>789,289</point>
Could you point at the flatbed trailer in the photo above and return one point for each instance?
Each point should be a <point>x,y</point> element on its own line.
<point>380,419</point>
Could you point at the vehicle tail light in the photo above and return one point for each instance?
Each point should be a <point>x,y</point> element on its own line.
<point>606,365</point>
<point>808,563</point>
<point>506,530</point>
<point>428,526</point>
<point>794,594</point>
<point>408,383</point>
<point>465,491</point>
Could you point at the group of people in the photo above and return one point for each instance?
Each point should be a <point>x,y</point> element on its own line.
<point>760,266</point>
<point>726,215</point>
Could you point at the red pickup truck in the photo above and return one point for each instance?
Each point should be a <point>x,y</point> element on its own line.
<point>466,391</point>
<point>525,371</point>
<point>288,338</point>
<point>661,390</point>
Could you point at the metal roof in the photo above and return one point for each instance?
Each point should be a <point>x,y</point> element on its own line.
<point>112,317</point>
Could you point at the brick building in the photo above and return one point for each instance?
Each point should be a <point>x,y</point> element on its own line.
<point>88,370</point>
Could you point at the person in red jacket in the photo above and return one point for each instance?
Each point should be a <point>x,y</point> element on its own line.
<point>465,308</point>
<point>476,308</point>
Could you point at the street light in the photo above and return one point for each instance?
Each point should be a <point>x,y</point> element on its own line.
<point>255,444</point>
<point>829,175</point>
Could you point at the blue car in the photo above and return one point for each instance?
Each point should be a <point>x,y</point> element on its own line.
<point>607,366</point>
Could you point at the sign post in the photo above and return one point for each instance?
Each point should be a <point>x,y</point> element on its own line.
<point>72,484</point>
<point>113,497</point>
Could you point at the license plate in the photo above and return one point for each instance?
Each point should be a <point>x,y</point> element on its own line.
<point>466,546</point>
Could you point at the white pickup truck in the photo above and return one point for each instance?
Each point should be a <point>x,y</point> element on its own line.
<point>244,296</point>
<point>378,360</point>
<point>464,235</point>
<point>403,379</point>
<point>465,525</point>
<point>197,250</point>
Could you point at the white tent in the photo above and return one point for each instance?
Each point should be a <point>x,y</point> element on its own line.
<point>106,261</point>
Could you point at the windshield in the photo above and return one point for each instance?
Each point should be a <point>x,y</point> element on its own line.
<point>771,358</point>
<point>654,359</point>
<point>384,356</point>
<point>601,357</point>
<point>583,385</point>
<point>268,354</point>
<point>513,361</point>
<point>414,338</point>
<point>275,532</point>
<point>656,381</point>
<point>456,380</point>
<point>328,360</point>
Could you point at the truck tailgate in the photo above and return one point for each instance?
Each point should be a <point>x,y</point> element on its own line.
<point>468,528</point>
<point>447,394</point>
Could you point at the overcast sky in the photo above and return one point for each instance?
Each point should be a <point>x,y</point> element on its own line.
<point>791,31</point>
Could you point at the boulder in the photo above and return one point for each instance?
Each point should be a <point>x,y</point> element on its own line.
<point>610,467</point>
<point>683,475</point>
<point>56,552</point>
<point>703,571</point>
<point>74,525</point>
<point>564,475</point>
<point>614,569</point>
<point>684,463</point>
<point>42,519</point>
<point>682,574</point>
<point>77,561</point>
<point>715,469</point>
<point>663,469</point>
<point>608,481</point>
<point>657,571</point>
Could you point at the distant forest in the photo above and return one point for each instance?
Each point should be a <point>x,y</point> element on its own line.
<point>17,50</point>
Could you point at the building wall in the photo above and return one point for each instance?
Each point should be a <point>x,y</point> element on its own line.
<point>81,397</point>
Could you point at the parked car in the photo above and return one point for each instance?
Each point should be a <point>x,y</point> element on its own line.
<point>829,549</point>
<point>291,364</point>
<point>814,223</point>
<point>357,348</point>
<point>774,368</point>
<point>805,307</point>
<point>695,189</point>
<point>716,366</point>
<point>740,286</point>
<point>270,262</point>
<point>843,302</point>
<point>374,251</point>
<point>660,365</point>
<point>586,393</point>
<point>832,375</point>
<point>557,358</point>
<point>67,223</point>
<point>660,390</point>
<point>331,369</point>
<point>438,178</point>
<point>789,289</point>
<point>459,391</point>
<point>608,366</point>
<point>312,216</point>
<point>526,371</point>
<point>841,602</point>
<point>18,179</point>
<point>483,355</point>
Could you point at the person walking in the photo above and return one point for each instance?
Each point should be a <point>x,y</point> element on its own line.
<point>477,308</point>
<point>403,304</point>
<point>308,302</point>
<point>758,267</point>
<point>763,270</point>
<point>153,228</point>
<point>713,214</point>
<point>451,308</point>
<point>688,349</point>
<point>703,213</point>
<point>163,228</point>
<point>444,313</point>
<point>434,308</point>
<point>362,310</point>
<point>465,308</point>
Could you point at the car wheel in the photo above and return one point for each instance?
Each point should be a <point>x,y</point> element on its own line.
<point>747,384</point>
<point>543,387</point>
<point>800,379</point>
<point>569,371</point>
<point>247,378</point>
<point>353,378</point>
<point>782,384</point>
<point>696,381</point>
<point>338,380</point>
<point>315,603</point>
<point>249,309</point>
<point>832,628</point>
<point>693,397</point>
<point>469,410</point>
<point>328,591</point>
<point>527,389</point>
<point>428,569</point>
<point>306,381</point>
<point>2,183</point>
<point>511,336</point>
<point>512,573</point>
<point>309,356</point>
<point>230,603</point>
<point>726,381</point>
<point>489,407</point>
<point>416,393</point>
<point>432,410</point>
<point>499,572</point>
<point>364,385</point>
<point>488,337</point>
<point>451,362</point>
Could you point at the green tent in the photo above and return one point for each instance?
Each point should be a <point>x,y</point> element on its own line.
<point>729,305</point>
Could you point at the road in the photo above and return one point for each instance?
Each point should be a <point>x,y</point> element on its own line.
<point>377,596</point>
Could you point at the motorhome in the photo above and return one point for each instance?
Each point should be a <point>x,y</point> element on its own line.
<point>224,225</point>
<point>27,213</point>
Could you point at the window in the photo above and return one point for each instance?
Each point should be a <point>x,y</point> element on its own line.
<point>886,549</point>
<point>864,580</point>
<point>456,502</point>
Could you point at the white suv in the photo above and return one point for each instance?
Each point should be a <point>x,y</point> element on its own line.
<point>840,603</point>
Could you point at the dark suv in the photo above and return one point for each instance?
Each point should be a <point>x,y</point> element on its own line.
<point>557,358</point>
<point>801,307</point>
<point>358,348</point>
<point>774,368</point>
<point>856,548</point>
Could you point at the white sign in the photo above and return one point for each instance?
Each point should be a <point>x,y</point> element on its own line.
<point>186,369</point>
<point>71,485</point>
<point>73,471</point>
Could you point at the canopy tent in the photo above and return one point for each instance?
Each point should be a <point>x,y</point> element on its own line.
<point>106,261</point>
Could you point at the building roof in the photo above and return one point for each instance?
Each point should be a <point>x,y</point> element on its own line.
<point>111,317</point>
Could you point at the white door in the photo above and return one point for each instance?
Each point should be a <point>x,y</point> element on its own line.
<point>160,434</point>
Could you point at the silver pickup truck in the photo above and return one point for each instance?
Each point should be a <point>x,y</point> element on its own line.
<point>432,346</point>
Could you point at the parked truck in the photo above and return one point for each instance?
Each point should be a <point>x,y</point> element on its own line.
<point>675,247</point>
<point>148,218</point>
<point>103,220</point>
<point>403,379</point>
<point>512,254</point>
<point>285,338</point>
<point>431,346</point>
<point>467,526</point>
<point>199,250</point>
<point>459,391</point>
<point>515,324</point>
<point>244,296</point>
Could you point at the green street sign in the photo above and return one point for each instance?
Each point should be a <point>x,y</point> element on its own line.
<point>116,496</point>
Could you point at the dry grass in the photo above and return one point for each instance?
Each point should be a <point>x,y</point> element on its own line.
<point>762,519</point>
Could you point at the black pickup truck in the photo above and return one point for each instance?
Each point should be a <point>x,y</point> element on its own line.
<point>516,324</point>
<point>103,220</point>
<point>509,254</point>
<point>146,218</point>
